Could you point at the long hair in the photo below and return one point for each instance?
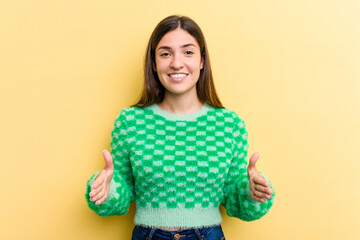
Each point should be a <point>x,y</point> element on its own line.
<point>153,91</point>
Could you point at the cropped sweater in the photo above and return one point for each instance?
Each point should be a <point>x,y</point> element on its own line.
<point>179,168</point>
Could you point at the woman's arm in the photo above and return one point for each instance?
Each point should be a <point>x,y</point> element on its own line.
<point>111,191</point>
<point>245,199</point>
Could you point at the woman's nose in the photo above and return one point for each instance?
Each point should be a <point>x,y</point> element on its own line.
<point>176,61</point>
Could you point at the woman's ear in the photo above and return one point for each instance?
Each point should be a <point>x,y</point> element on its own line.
<point>154,66</point>
<point>202,63</point>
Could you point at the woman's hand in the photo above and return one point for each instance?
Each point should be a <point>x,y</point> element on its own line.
<point>101,186</point>
<point>259,187</point>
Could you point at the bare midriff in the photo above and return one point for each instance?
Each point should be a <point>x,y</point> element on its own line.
<point>172,229</point>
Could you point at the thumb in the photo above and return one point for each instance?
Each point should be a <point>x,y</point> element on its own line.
<point>108,160</point>
<point>252,161</point>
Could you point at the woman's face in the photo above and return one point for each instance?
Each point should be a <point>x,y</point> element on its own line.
<point>178,62</point>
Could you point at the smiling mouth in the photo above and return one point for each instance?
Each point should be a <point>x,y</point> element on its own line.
<point>177,76</point>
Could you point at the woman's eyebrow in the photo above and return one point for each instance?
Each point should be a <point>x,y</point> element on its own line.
<point>183,46</point>
<point>164,47</point>
<point>188,45</point>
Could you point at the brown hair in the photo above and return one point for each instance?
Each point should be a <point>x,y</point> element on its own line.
<point>153,91</point>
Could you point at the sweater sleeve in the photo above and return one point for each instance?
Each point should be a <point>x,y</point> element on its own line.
<point>237,199</point>
<point>121,192</point>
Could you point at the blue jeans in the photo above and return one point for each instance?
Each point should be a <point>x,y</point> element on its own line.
<point>206,233</point>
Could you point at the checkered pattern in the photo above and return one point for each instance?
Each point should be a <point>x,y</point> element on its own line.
<point>190,162</point>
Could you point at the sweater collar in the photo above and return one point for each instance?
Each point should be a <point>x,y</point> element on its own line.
<point>185,117</point>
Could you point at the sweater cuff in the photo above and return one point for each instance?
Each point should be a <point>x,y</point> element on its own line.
<point>103,208</point>
<point>118,200</point>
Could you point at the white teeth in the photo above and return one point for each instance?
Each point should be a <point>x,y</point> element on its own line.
<point>177,75</point>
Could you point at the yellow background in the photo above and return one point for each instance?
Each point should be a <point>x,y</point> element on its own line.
<point>290,69</point>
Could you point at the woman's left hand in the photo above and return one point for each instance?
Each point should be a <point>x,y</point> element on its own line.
<point>259,187</point>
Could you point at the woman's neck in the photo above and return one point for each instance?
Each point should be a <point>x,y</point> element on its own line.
<point>180,104</point>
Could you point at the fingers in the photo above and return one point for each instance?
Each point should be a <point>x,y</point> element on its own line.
<point>261,191</point>
<point>260,188</point>
<point>261,194</point>
<point>258,179</point>
<point>95,191</point>
<point>256,198</point>
<point>98,187</point>
<point>99,194</point>
<point>100,197</point>
<point>98,181</point>
<point>96,194</point>
<point>101,200</point>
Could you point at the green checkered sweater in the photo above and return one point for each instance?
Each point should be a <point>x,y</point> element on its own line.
<point>179,168</point>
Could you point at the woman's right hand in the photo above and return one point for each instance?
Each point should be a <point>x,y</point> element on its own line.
<point>101,186</point>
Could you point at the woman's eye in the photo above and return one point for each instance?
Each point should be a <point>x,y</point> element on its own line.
<point>164,54</point>
<point>189,53</point>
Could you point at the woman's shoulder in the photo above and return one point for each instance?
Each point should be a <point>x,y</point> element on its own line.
<point>229,113</point>
<point>129,112</point>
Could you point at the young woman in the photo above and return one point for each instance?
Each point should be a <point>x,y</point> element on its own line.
<point>178,152</point>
